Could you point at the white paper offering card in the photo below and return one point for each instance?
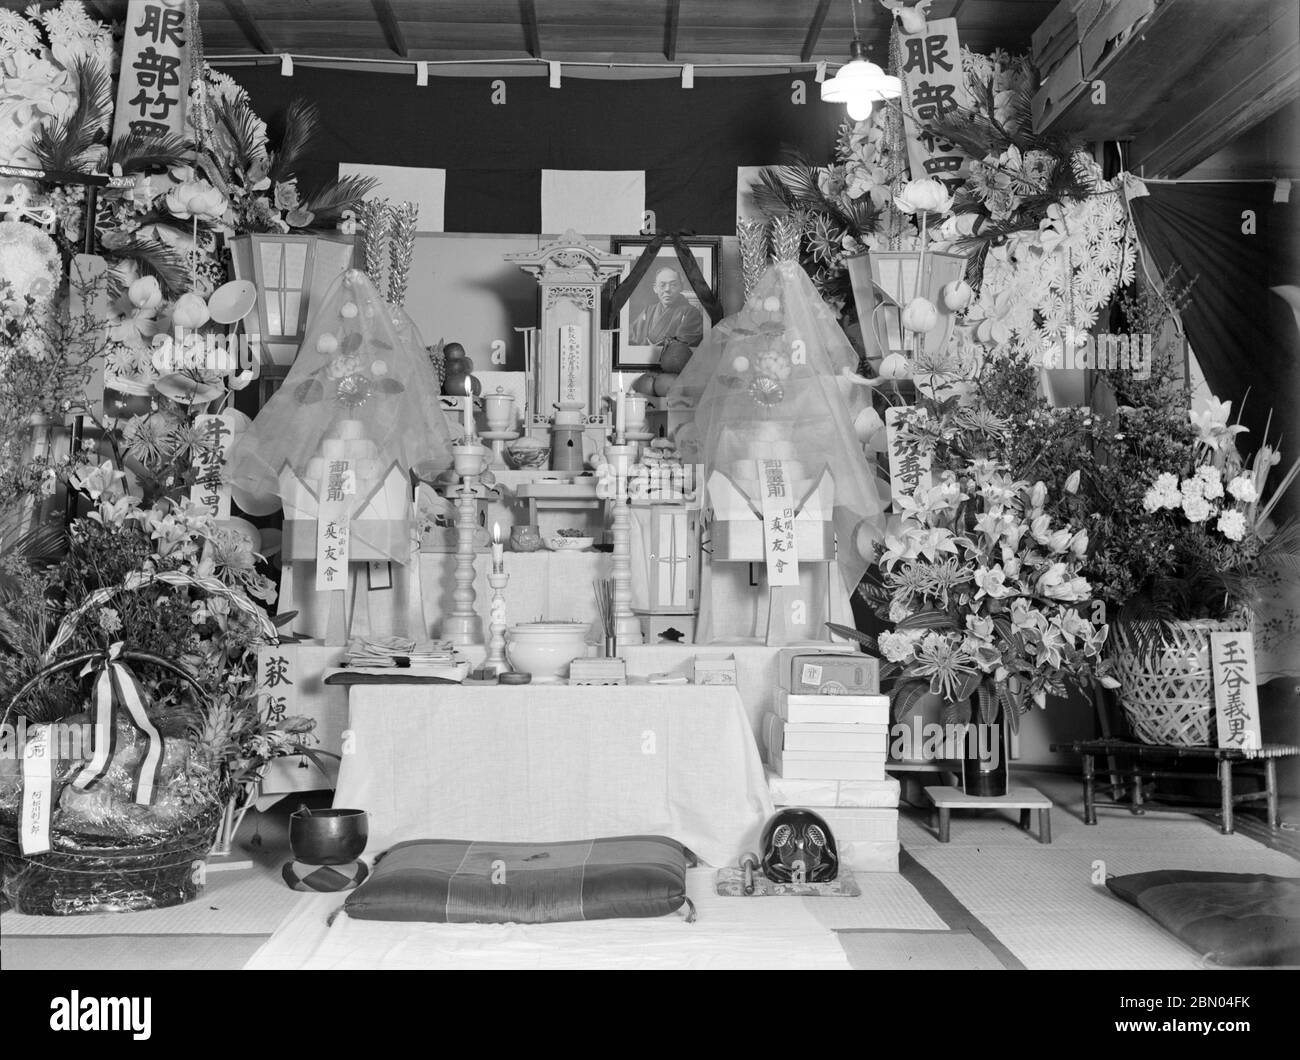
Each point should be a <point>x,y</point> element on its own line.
<point>779,545</point>
<point>908,472</point>
<point>38,790</point>
<point>1236,697</point>
<point>332,525</point>
<point>209,490</point>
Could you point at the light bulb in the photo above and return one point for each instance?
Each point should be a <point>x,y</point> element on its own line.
<point>859,109</point>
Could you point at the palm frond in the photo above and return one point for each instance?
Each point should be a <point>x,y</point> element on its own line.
<point>331,199</point>
<point>236,127</point>
<point>66,144</point>
<point>301,126</point>
<point>142,151</point>
<point>157,259</point>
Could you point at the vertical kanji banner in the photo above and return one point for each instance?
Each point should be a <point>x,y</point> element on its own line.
<point>933,86</point>
<point>155,75</point>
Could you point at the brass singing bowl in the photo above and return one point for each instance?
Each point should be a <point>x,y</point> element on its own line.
<point>328,837</point>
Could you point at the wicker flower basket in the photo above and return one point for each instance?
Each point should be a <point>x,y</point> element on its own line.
<point>82,873</point>
<point>1167,691</point>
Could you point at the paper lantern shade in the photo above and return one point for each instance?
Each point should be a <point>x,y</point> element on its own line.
<point>885,281</point>
<point>290,272</point>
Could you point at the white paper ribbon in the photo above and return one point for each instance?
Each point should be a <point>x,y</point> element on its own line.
<point>117,678</point>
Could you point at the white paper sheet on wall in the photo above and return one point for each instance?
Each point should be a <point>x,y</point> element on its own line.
<point>746,178</point>
<point>592,200</point>
<point>427,188</point>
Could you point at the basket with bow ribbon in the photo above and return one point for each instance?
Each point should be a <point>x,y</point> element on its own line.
<point>101,826</point>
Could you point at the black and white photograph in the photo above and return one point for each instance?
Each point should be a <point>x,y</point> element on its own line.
<point>664,308</point>
<point>658,485</point>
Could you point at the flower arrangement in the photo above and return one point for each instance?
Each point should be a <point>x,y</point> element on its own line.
<point>987,599</point>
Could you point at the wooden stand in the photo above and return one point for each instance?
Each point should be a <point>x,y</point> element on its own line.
<point>627,627</point>
<point>462,626</point>
<point>1023,799</point>
<point>496,656</point>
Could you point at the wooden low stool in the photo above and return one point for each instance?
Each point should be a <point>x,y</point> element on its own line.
<point>1135,766</point>
<point>1026,800</point>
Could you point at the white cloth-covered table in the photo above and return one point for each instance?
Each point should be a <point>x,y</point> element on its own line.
<point>545,763</point>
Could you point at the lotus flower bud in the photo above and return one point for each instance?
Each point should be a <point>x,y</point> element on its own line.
<point>924,195</point>
<point>190,311</point>
<point>957,295</point>
<point>920,315</point>
<point>895,366</point>
<point>145,293</point>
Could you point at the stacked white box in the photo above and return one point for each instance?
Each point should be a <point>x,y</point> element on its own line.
<point>828,753</point>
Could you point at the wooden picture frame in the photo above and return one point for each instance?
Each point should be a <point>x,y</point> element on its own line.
<point>642,331</point>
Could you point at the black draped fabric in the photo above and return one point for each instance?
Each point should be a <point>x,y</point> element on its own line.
<point>689,142</point>
<point>1245,335</point>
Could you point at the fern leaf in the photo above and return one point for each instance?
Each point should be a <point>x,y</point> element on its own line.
<point>157,259</point>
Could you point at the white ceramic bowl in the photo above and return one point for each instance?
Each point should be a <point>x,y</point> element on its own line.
<point>545,649</point>
<point>568,544</point>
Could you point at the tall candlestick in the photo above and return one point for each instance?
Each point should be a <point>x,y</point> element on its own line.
<point>469,411</point>
<point>462,625</point>
<point>498,550</point>
<point>627,627</point>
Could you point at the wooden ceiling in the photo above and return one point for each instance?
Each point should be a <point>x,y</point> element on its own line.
<point>614,31</point>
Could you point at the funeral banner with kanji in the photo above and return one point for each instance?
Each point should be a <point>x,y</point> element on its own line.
<point>933,85</point>
<point>155,74</point>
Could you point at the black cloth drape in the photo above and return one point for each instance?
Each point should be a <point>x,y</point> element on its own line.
<point>1246,337</point>
<point>689,142</point>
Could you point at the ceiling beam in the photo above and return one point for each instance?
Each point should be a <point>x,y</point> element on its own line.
<point>392,31</point>
<point>815,30</point>
<point>239,13</point>
<point>528,16</point>
<point>670,29</point>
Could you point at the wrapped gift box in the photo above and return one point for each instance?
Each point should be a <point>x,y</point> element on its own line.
<point>381,526</point>
<point>738,518</point>
<point>816,793</point>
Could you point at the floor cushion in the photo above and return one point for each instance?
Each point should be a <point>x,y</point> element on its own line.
<point>1234,919</point>
<point>458,882</point>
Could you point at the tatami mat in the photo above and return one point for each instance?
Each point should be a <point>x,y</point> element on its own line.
<point>917,951</point>
<point>887,902</point>
<point>129,952</point>
<point>242,902</point>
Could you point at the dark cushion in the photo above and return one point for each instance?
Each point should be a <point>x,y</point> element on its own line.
<point>1234,919</point>
<point>456,882</point>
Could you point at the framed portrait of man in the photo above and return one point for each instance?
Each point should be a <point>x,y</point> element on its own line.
<point>663,308</point>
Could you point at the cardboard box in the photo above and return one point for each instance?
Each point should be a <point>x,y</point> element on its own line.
<point>870,857</point>
<point>789,791</point>
<point>713,670</point>
<point>780,735</point>
<point>828,765</point>
<point>1061,30</point>
<point>1061,88</point>
<point>833,710</point>
<point>738,522</point>
<point>862,825</point>
<point>1111,30</point>
<point>825,673</point>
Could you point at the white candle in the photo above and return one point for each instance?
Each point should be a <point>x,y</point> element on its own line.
<point>469,411</point>
<point>620,412</point>
<point>498,550</point>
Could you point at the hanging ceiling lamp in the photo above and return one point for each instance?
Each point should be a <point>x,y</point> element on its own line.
<point>860,83</point>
